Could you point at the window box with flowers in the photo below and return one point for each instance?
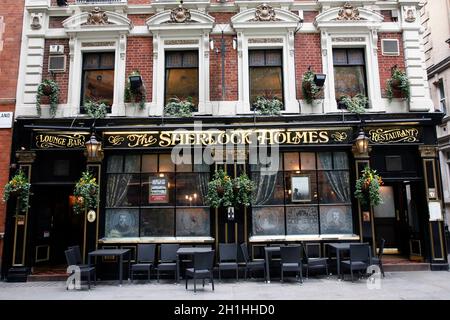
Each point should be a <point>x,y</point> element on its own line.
<point>368,188</point>
<point>177,107</point>
<point>267,106</point>
<point>18,187</point>
<point>86,193</point>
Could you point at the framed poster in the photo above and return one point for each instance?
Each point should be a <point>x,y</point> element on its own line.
<point>301,189</point>
<point>302,220</point>
<point>159,190</point>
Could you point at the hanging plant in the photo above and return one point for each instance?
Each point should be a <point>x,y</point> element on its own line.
<point>86,193</point>
<point>50,89</point>
<point>220,190</point>
<point>18,187</point>
<point>268,106</point>
<point>398,82</point>
<point>243,190</point>
<point>309,88</point>
<point>95,109</point>
<point>356,104</point>
<point>177,107</point>
<point>368,187</point>
<point>138,96</point>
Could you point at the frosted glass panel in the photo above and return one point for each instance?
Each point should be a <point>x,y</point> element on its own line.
<point>387,208</point>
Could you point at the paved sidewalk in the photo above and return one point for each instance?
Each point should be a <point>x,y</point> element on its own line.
<point>396,285</point>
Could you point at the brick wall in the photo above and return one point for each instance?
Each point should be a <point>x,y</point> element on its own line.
<point>12,12</point>
<point>309,16</point>
<point>231,71</point>
<point>307,53</point>
<point>385,63</point>
<point>56,22</point>
<point>61,78</point>
<point>140,57</point>
<point>139,19</point>
<point>222,17</point>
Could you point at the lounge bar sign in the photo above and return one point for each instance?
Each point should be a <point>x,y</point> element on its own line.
<point>59,140</point>
<point>395,135</point>
<point>167,139</point>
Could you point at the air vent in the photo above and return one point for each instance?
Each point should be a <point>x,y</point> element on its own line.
<point>57,63</point>
<point>390,47</point>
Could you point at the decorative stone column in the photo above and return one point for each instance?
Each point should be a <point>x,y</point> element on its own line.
<point>25,159</point>
<point>433,192</point>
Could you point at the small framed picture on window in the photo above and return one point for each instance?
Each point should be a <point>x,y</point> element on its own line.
<point>301,188</point>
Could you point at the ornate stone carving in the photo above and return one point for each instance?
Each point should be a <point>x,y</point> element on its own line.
<point>348,12</point>
<point>410,14</point>
<point>180,14</point>
<point>36,19</point>
<point>97,17</point>
<point>264,12</point>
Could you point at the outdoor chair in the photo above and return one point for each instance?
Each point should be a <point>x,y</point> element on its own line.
<point>77,253</point>
<point>291,260</point>
<point>145,260</point>
<point>168,259</point>
<point>378,260</point>
<point>202,269</point>
<point>85,271</point>
<point>251,265</point>
<point>228,258</point>
<point>313,259</point>
<point>359,258</point>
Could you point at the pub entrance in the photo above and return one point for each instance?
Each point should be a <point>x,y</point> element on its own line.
<point>397,219</point>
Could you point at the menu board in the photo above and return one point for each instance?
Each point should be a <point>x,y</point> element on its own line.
<point>158,190</point>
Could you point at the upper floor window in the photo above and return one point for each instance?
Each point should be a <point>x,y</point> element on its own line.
<point>349,72</point>
<point>98,77</point>
<point>442,101</point>
<point>265,74</point>
<point>182,75</point>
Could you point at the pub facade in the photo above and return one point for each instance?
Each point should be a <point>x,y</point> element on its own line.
<point>153,168</point>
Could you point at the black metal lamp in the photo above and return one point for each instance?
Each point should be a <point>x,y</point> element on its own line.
<point>319,79</point>
<point>135,82</point>
<point>362,142</point>
<point>94,152</point>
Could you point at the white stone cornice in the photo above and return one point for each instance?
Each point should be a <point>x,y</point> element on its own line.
<point>116,23</point>
<point>198,21</point>
<point>368,19</point>
<point>284,19</point>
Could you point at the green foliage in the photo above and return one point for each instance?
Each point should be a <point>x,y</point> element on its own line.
<point>226,192</point>
<point>51,85</point>
<point>86,193</point>
<point>368,187</point>
<point>356,104</point>
<point>266,106</point>
<point>309,88</point>
<point>20,187</point>
<point>179,107</point>
<point>135,97</point>
<point>400,81</point>
<point>95,109</point>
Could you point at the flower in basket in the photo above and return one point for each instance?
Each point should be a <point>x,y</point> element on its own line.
<point>50,89</point>
<point>220,190</point>
<point>243,189</point>
<point>86,193</point>
<point>398,85</point>
<point>368,188</point>
<point>18,187</point>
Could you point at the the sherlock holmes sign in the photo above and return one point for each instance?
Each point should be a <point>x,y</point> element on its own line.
<point>59,140</point>
<point>395,135</point>
<point>168,139</point>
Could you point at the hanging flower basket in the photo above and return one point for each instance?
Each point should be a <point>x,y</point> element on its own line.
<point>18,187</point>
<point>398,85</point>
<point>368,188</point>
<point>48,88</point>
<point>86,193</point>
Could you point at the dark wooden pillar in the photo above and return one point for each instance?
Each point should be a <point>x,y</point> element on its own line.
<point>433,192</point>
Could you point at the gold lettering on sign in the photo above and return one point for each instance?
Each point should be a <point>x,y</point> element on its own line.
<point>339,136</point>
<point>45,141</point>
<point>141,140</point>
<point>115,140</point>
<point>392,135</point>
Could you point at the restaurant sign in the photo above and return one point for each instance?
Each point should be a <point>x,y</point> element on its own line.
<point>50,140</point>
<point>167,139</point>
<point>395,135</point>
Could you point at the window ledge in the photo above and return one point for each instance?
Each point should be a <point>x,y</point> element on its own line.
<point>324,237</point>
<point>157,240</point>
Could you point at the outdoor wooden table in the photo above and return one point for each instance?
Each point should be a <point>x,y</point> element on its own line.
<point>188,251</point>
<point>269,251</point>
<point>111,252</point>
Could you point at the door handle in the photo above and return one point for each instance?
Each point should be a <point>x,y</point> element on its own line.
<point>397,215</point>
